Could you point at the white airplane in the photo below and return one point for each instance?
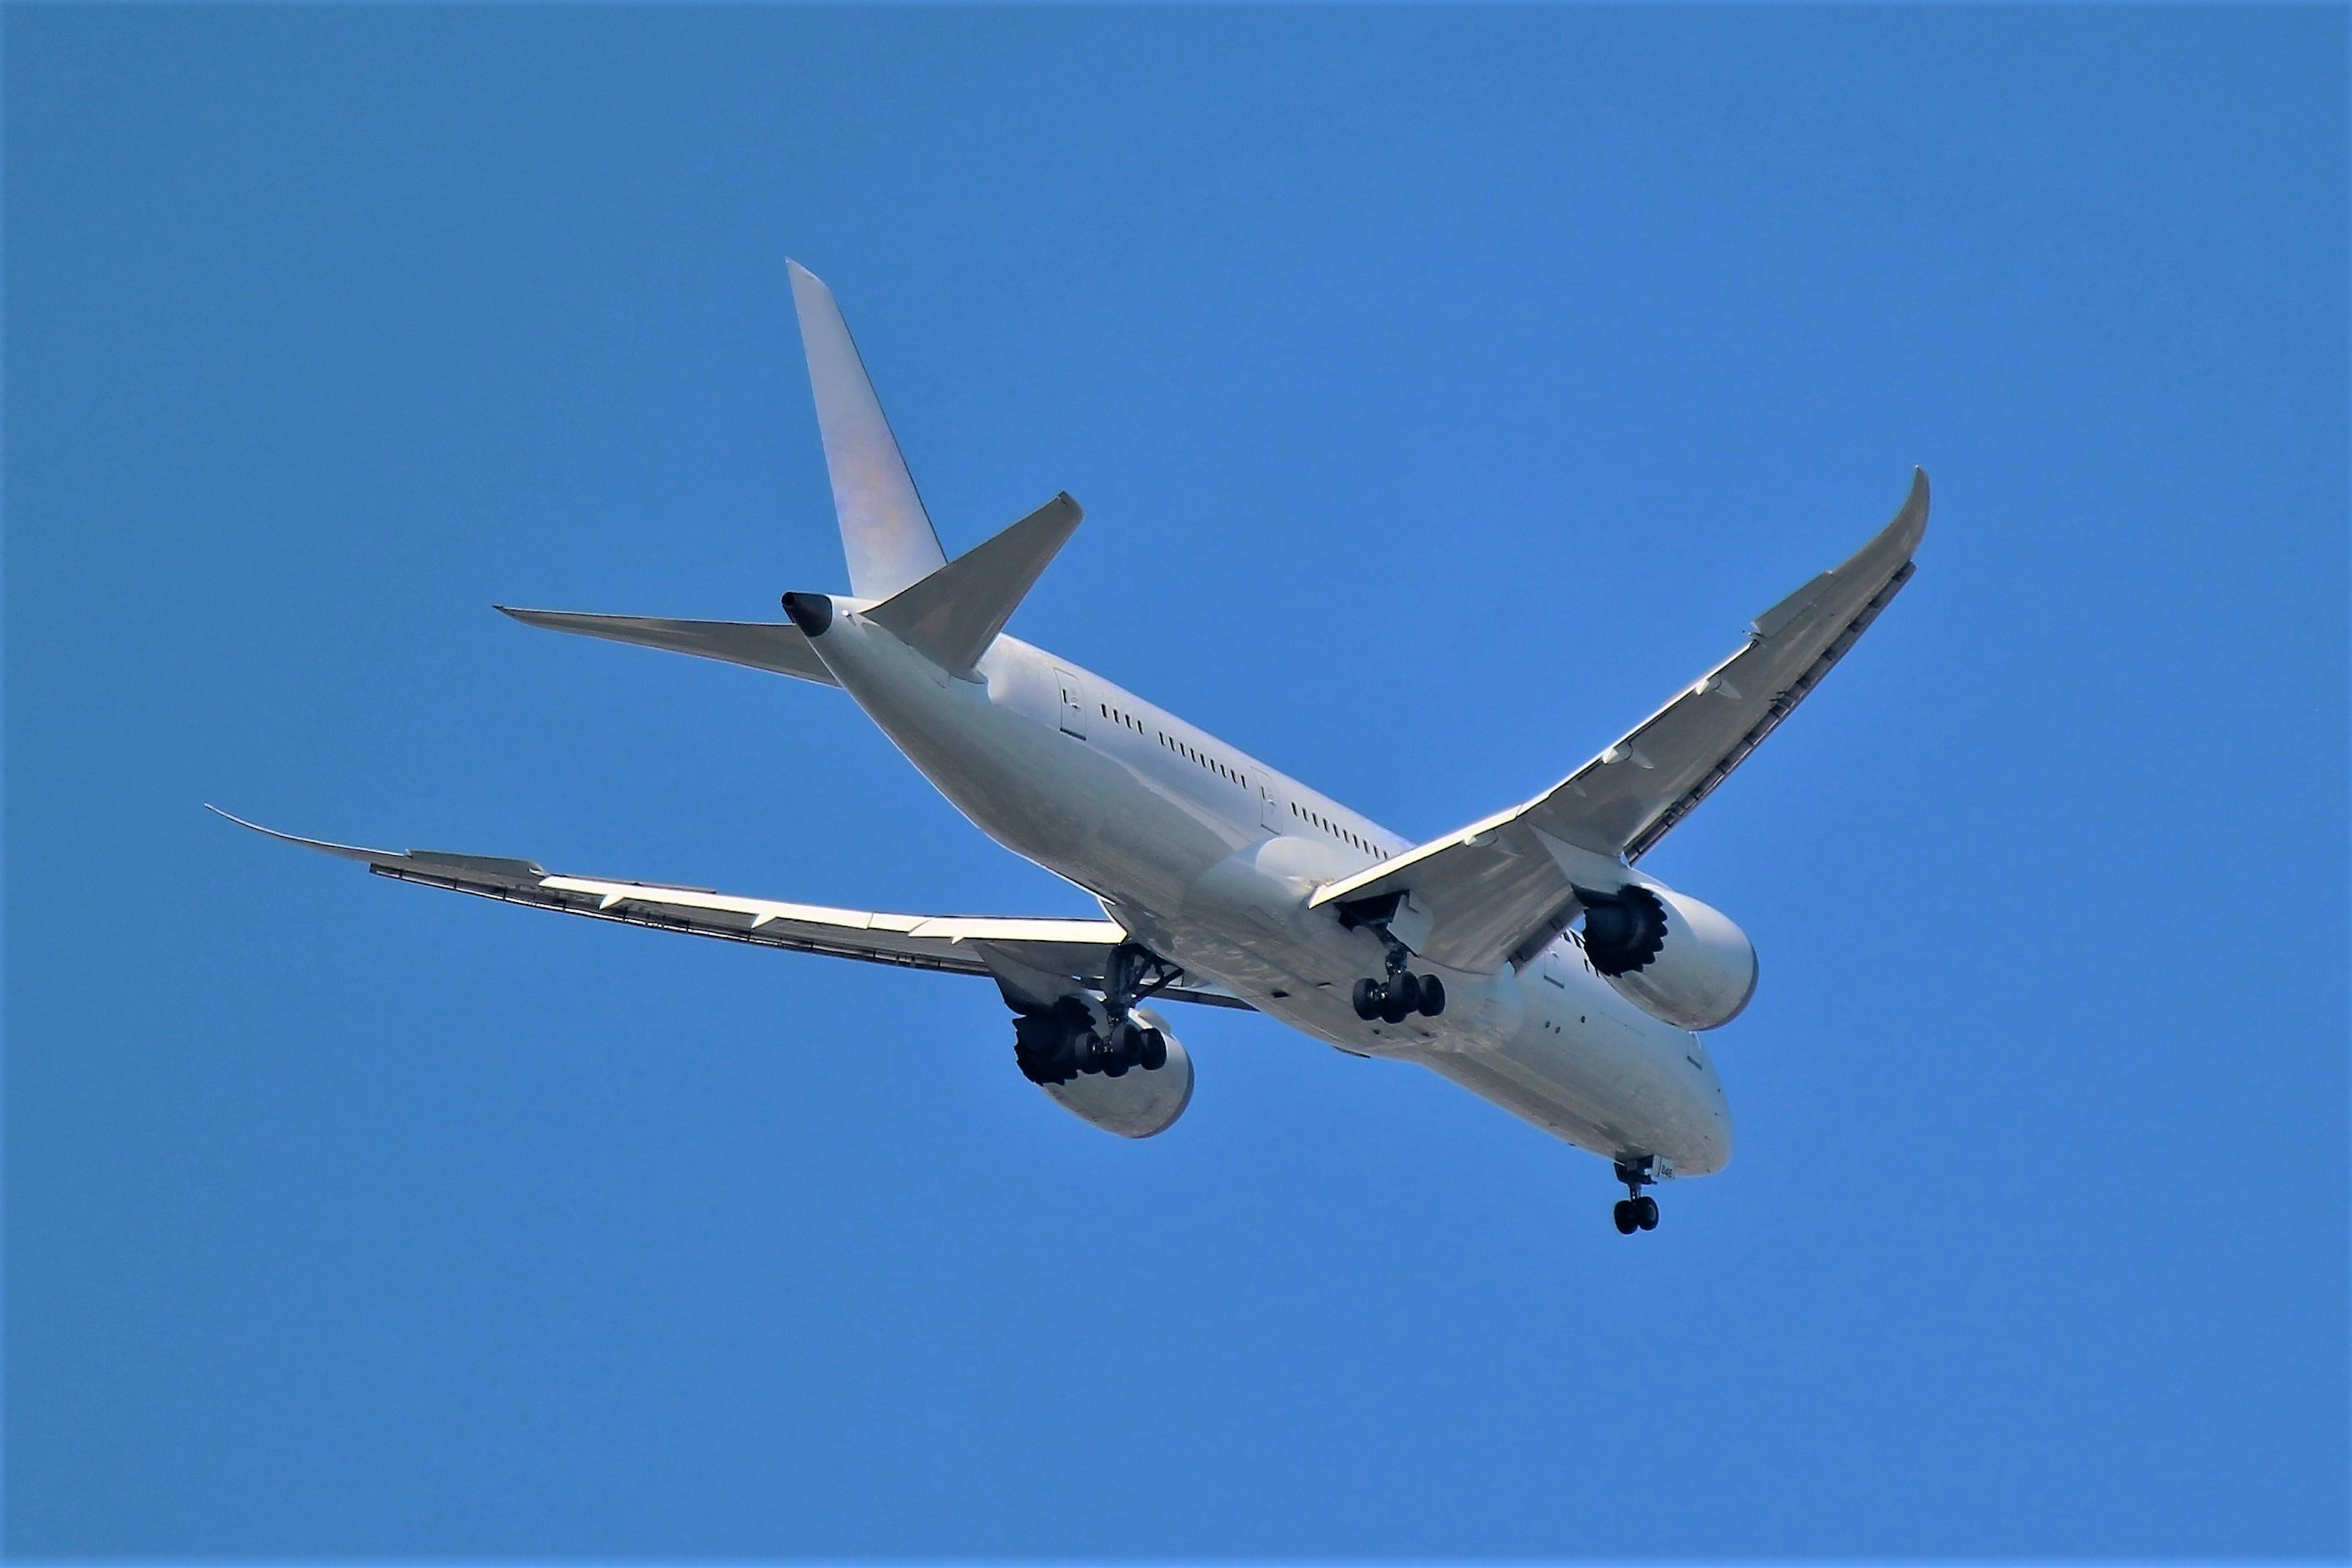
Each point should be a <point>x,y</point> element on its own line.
<point>1524,956</point>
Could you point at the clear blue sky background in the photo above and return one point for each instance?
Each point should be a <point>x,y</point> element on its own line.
<point>1444,388</point>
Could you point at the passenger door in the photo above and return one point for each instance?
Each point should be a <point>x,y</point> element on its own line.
<point>1073,703</point>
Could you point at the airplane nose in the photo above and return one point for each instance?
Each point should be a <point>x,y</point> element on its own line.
<point>812,613</point>
<point>1707,1128</point>
<point>1719,1138</point>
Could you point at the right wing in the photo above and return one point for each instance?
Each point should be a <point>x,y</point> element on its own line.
<point>762,645</point>
<point>1502,887</point>
<point>1011,950</point>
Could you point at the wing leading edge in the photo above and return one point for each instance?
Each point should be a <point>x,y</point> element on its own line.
<point>996,947</point>
<point>1503,886</point>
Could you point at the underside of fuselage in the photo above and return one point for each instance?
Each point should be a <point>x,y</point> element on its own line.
<point>1181,854</point>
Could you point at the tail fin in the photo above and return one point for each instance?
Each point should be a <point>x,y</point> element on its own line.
<point>884,532</point>
<point>952,615</point>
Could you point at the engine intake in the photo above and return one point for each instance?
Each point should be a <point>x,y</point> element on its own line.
<point>1678,959</point>
<point>1624,930</point>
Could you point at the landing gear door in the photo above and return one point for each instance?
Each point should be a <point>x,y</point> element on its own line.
<point>1073,703</point>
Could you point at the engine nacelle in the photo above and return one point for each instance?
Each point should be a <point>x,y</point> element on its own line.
<point>1680,961</point>
<point>1134,1081</point>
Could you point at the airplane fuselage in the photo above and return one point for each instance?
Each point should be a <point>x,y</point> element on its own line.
<point>1209,858</point>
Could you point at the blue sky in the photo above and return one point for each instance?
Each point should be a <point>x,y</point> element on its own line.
<point>1444,387</point>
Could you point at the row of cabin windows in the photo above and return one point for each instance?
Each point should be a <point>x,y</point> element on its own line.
<point>1333,828</point>
<point>1210,762</point>
<point>1214,766</point>
<point>1228,775</point>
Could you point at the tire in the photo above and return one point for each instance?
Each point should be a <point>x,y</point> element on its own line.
<point>1626,1223</point>
<point>1154,1054</point>
<point>1395,1006</point>
<point>1367,998</point>
<point>1433,995</point>
<point>1645,1212</point>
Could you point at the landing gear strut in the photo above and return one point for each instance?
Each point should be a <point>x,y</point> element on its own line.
<point>1058,1044</point>
<point>1402,992</point>
<point>1637,1210</point>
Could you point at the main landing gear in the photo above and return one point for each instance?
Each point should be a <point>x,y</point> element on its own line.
<point>1400,995</point>
<point>1638,1210</point>
<point>1057,1044</point>
<point>1403,992</point>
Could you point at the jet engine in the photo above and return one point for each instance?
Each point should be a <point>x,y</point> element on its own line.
<point>1132,1077</point>
<point>1676,959</point>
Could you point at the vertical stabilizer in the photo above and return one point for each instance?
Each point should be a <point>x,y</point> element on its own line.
<point>884,532</point>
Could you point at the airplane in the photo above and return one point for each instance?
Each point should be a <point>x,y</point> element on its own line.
<point>1525,956</point>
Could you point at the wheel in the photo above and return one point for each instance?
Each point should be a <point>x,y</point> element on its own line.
<point>1154,1054</point>
<point>1367,1000</point>
<point>1087,1052</point>
<point>1396,1005</point>
<point>1405,985</point>
<point>1433,995</point>
<point>1645,1212</point>
<point>1626,1222</point>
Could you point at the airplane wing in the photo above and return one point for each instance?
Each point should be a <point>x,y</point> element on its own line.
<point>1009,949</point>
<point>1501,887</point>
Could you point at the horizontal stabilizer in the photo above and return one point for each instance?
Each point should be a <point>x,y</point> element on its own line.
<point>952,615</point>
<point>978,946</point>
<point>757,644</point>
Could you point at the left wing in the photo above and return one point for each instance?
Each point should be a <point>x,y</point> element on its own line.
<point>1013,951</point>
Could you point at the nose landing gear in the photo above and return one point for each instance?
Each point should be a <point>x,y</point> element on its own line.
<point>1637,1210</point>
